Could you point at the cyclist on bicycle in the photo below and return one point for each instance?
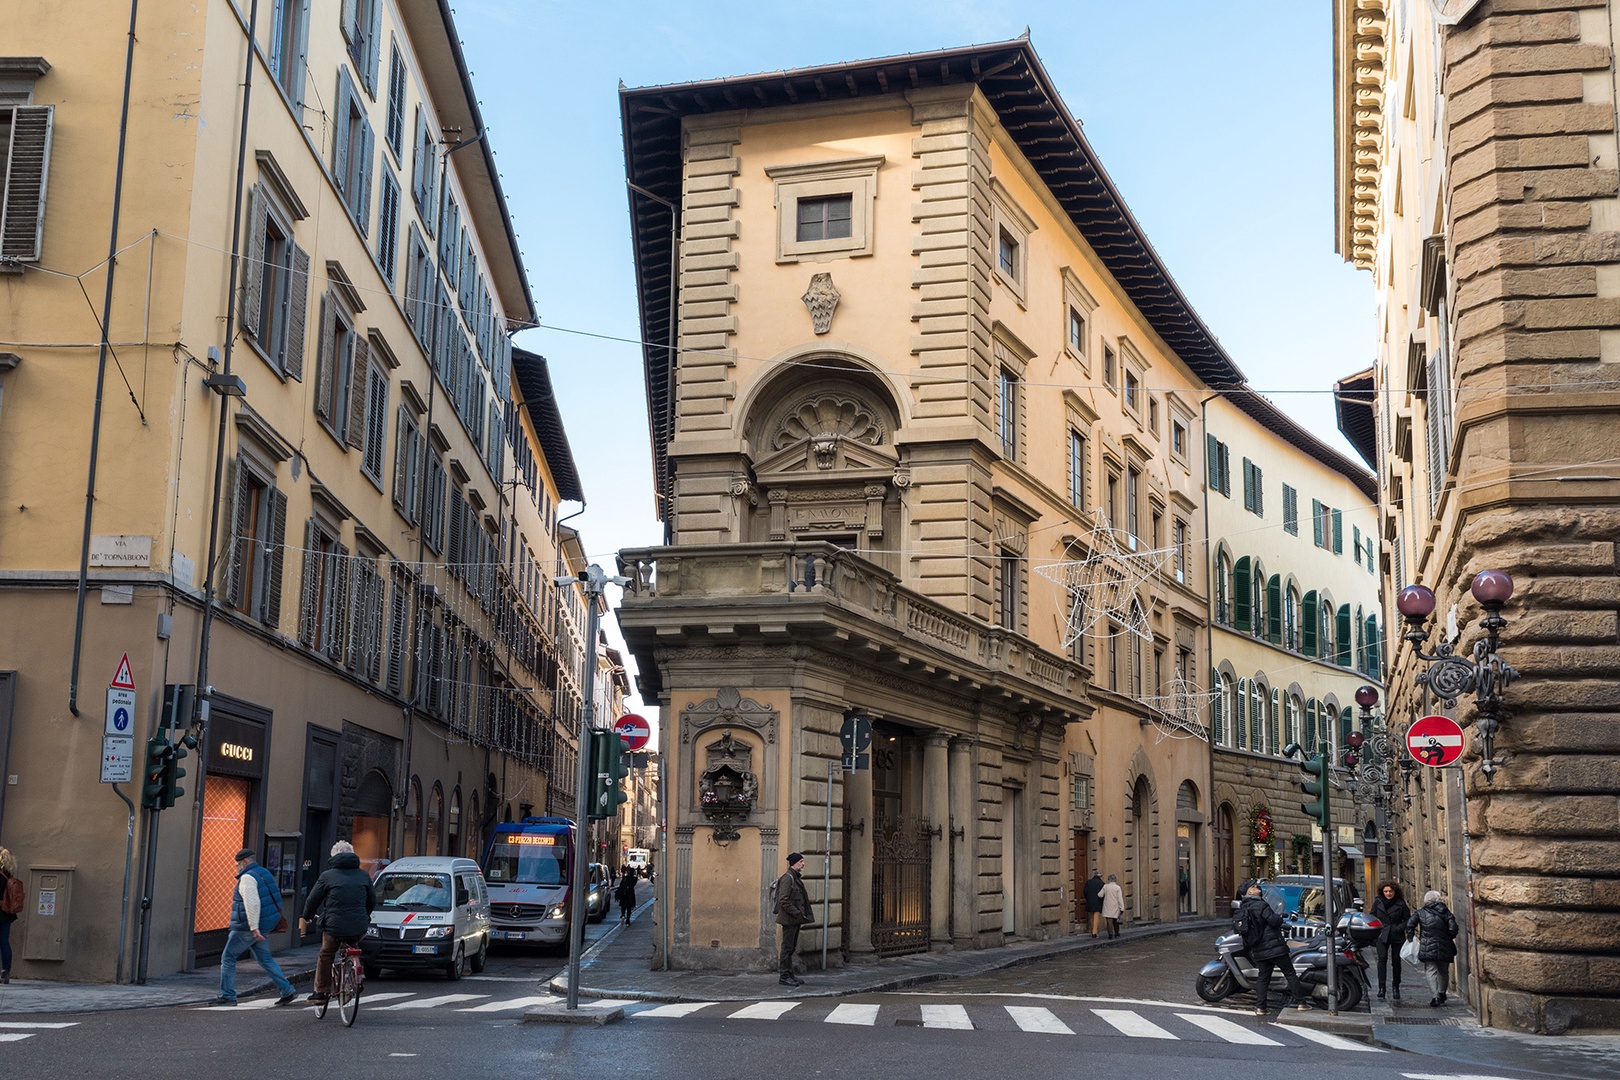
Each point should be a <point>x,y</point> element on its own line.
<point>343,900</point>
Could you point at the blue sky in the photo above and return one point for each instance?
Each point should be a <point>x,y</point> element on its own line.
<point>1214,120</point>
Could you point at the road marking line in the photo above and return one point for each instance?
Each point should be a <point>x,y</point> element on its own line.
<point>1327,1038</point>
<point>1039,1020</point>
<point>946,1016</point>
<point>1227,1030</point>
<point>763,1010</point>
<point>683,1008</point>
<point>863,1015</point>
<point>433,1002</point>
<point>371,999</point>
<point>512,1003</point>
<point>262,1003</point>
<point>37,1024</point>
<point>1454,1076</point>
<point>15,1036</point>
<point>1128,1023</point>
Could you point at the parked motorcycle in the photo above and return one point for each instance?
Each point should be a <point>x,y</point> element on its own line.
<point>1235,972</point>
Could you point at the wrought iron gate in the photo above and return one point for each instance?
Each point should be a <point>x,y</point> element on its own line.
<point>901,882</point>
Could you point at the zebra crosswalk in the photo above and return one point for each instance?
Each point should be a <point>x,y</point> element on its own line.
<point>1167,1024</point>
<point>18,1030</point>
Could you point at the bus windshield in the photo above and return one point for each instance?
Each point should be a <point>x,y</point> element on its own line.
<point>527,859</point>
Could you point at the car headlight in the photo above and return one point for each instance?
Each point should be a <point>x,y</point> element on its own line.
<point>439,931</point>
<point>371,931</point>
<point>557,912</point>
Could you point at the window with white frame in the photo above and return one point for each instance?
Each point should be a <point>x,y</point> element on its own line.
<point>825,208</point>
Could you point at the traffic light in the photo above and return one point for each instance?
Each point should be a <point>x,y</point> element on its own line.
<point>157,760</point>
<point>1316,783</point>
<point>172,772</point>
<point>609,769</point>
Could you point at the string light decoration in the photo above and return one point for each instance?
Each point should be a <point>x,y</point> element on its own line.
<point>1179,714</point>
<point>1103,586</point>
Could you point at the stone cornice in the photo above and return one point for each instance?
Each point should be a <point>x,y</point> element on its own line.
<point>1360,71</point>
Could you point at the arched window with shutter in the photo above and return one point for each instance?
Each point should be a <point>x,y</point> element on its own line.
<point>1217,710</point>
<point>1274,742</point>
<point>1242,599</point>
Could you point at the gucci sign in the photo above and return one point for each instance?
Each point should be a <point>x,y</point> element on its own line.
<point>232,750</point>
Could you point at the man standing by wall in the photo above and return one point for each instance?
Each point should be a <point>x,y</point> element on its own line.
<point>792,912</point>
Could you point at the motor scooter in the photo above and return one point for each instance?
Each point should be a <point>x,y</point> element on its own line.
<point>1234,971</point>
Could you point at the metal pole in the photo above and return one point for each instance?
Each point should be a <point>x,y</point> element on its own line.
<point>826,875</point>
<point>1327,877</point>
<point>594,581</point>
<point>123,907</point>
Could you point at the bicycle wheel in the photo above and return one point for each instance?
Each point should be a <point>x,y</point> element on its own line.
<point>320,1006</point>
<point>349,994</point>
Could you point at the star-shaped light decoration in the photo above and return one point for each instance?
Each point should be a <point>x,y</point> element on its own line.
<point>1102,587</point>
<point>1179,713</point>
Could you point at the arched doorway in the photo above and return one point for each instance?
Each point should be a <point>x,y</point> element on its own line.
<point>1225,887</point>
<point>1188,821</point>
<point>1142,848</point>
<point>373,806</point>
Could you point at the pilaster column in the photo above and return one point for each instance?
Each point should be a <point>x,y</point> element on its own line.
<point>936,804</point>
<point>858,898</point>
<point>964,885</point>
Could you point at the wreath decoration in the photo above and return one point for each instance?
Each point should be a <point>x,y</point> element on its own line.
<point>1260,824</point>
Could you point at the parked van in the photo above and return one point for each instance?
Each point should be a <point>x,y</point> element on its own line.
<point>432,914</point>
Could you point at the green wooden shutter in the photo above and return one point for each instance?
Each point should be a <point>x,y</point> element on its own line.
<point>1342,633</point>
<point>1338,533</point>
<point>1217,710</point>
<point>297,313</point>
<point>1274,613</point>
<point>1274,724</point>
<point>1240,715</point>
<point>1242,596</point>
<point>1307,624</point>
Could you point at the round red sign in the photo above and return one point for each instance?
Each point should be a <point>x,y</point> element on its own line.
<point>634,730</point>
<point>1435,741</point>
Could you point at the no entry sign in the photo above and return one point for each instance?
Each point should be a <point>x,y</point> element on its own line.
<point>634,730</point>
<point>1435,741</point>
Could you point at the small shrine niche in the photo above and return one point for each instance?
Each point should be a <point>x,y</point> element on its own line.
<point>728,789</point>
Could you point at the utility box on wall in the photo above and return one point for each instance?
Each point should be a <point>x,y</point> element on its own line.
<point>45,912</point>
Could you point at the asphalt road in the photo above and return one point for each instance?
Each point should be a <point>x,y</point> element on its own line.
<point>1125,1011</point>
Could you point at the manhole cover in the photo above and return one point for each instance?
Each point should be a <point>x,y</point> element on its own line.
<point>908,1023</point>
<point>1426,1021</point>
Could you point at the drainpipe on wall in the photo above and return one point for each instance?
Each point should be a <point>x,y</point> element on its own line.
<point>101,363</point>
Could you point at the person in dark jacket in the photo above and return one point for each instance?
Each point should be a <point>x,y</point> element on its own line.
<point>1094,888</point>
<point>625,893</point>
<point>1391,910</point>
<point>792,912</point>
<point>1437,931</point>
<point>343,898</point>
<point>255,912</point>
<point>1271,952</point>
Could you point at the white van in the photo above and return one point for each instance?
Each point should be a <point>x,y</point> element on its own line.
<point>432,914</point>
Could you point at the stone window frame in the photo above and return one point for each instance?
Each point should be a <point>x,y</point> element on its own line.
<point>1009,219</point>
<point>1183,417</point>
<point>1077,302</point>
<point>1133,373</point>
<point>1012,358</point>
<point>855,177</point>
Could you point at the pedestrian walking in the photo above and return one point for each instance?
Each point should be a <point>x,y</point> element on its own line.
<point>1436,928</point>
<point>1113,905</point>
<point>1094,888</point>
<point>792,911</point>
<point>625,893</point>
<point>1267,947</point>
<point>11,905</point>
<point>1184,889</point>
<point>1390,909</point>
<point>343,898</point>
<point>255,912</point>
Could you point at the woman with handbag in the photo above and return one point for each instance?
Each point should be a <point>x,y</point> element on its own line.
<point>1437,933</point>
<point>1391,910</point>
<point>11,905</point>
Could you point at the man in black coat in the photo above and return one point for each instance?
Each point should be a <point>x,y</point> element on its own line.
<point>792,912</point>
<point>1268,949</point>
<point>1094,887</point>
<point>343,898</point>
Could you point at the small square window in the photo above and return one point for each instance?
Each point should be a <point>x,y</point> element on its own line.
<point>826,217</point>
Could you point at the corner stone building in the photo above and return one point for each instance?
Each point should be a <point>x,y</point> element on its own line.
<point>1477,180</point>
<point>925,354</point>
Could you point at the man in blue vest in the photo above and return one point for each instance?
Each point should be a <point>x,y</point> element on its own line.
<point>255,911</point>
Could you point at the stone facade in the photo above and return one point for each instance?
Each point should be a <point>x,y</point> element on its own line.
<point>1497,260</point>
